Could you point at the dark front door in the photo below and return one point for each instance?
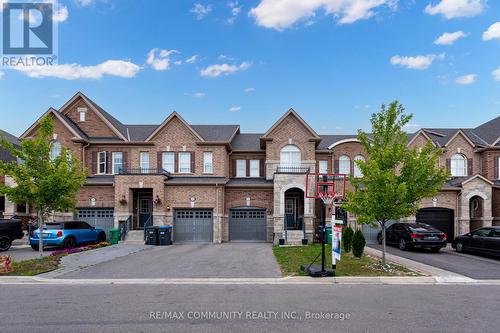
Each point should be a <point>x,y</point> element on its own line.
<point>290,212</point>
<point>145,210</point>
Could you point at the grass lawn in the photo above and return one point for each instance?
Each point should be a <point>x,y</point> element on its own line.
<point>290,258</point>
<point>34,266</point>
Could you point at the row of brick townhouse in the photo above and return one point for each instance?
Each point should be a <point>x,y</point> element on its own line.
<point>216,184</point>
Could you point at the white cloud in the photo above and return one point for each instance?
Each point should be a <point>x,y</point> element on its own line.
<point>201,10</point>
<point>282,14</point>
<point>449,38</point>
<point>456,8</point>
<point>225,57</point>
<point>466,79</point>
<point>119,68</point>
<point>2,74</point>
<point>362,106</point>
<point>234,108</point>
<point>61,14</point>
<point>496,74</point>
<point>249,90</point>
<point>410,126</point>
<point>420,62</point>
<point>160,59</point>
<point>493,32</point>
<point>196,94</point>
<point>192,60</point>
<point>224,69</point>
<point>235,11</point>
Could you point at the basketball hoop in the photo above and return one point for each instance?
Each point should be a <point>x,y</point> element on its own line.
<point>328,198</point>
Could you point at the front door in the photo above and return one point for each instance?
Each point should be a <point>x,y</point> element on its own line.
<point>145,210</point>
<point>290,212</point>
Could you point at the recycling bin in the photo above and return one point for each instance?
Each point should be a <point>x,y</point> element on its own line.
<point>165,235</point>
<point>114,235</point>
<point>152,235</point>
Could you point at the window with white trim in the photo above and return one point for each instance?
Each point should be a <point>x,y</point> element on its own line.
<point>345,165</point>
<point>184,162</point>
<point>82,112</point>
<point>117,161</point>
<point>168,161</point>
<point>357,171</point>
<point>254,168</point>
<point>144,160</point>
<point>55,150</point>
<point>241,168</point>
<point>323,166</point>
<point>290,156</point>
<point>208,166</point>
<point>101,162</point>
<point>458,165</point>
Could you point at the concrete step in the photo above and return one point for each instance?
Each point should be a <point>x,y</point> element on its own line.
<point>134,236</point>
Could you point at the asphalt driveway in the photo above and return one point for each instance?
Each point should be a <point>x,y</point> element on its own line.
<point>227,260</point>
<point>473,266</point>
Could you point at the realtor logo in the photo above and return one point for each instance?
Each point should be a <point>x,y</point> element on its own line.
<point>28,32</point>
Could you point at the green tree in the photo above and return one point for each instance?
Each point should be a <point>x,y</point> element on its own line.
<point>358,244</point>
<point>47,183</point>
<point>347,239</point>
<point>395,177</point>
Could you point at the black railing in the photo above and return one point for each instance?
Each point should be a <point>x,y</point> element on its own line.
<point>148,223</point>
<point>125,226</point>
<point>293,169</point>
<point>144,171</point>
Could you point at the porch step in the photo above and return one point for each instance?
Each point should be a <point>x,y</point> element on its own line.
<point>293,237</point>
<point>134,236</point>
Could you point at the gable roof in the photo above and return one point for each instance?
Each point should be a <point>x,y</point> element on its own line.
<point>167,120</point>
<point>10,138</point>
<point>216,133</point>
<point>289,113</point>
<point>489,131</point>
<point>64,120</point>
<point>114,124</point>
<point>247,142</point>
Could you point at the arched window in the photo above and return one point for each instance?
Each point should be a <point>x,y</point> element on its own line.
<point>55,150</point>
<point>458,165</point>
<point>290,156</point>
<point>345,165</point>
<point>357,171</point>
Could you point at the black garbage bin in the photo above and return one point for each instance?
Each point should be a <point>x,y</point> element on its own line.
<point>152,235</point>
<point>165,235</point>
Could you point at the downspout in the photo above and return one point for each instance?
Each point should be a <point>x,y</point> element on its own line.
<point>217,210</point>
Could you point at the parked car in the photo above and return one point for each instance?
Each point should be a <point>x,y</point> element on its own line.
<point>482,241</point>
<point>10,229</point>
<point>414,235</point>
<point>67,234</point>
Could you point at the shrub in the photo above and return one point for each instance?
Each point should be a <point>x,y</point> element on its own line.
<point>347,239</point>
<point>358,244</point>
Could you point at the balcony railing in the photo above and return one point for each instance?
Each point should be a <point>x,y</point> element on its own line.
<point>293,169</point>
<point>144,171</point>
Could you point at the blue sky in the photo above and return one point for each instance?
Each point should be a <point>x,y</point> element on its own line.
<point>333,61</point>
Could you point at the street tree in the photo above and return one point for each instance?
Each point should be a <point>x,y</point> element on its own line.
<point>395,177</point>
<point>46,175</point>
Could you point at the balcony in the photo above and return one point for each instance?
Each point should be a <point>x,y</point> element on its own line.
<point>144,171</point>
<point>292,170</point>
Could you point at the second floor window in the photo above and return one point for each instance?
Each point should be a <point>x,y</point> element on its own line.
<point>290,156</point>
<point>357,170</point>
<point>208,166</point>
<point>55,150</point>
<point>323,166</point>
<point>241,168</point>
<point>117,162</point>
<point>458,167</point>
<point>82,112</point>
<point>144,160</point>
<point>345,165</point>
<point>102,162</point>
<point>168,161</point>
<point>184,162</point>
<point>254,168</point>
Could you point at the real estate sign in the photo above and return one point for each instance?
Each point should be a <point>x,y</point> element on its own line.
<point>336,242</point>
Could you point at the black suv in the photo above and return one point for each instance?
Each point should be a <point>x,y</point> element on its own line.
<point>9,230</point>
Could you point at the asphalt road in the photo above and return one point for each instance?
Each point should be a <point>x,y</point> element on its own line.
<point>227,260</point>
<point>133,308</point>
<point>473,266</point>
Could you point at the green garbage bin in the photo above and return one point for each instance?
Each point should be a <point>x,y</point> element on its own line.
<point>329,234</point>
<point>114,235</point>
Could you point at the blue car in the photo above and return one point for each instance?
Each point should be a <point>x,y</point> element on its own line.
<point>67,234</point>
